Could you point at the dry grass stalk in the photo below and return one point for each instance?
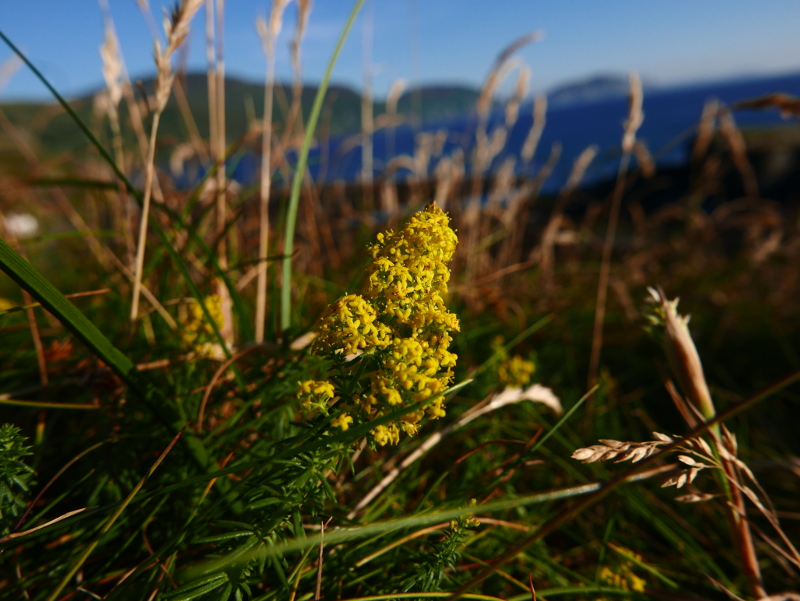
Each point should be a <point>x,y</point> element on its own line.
<point>8,69</point>
<point>134,109</point>
<point>485,148</point>
<point>733,137</point>
<point>522,202</point>
<point>520,91</point>
<point>367,121</point>
<point>176,28</point>
<point>547,244</point>
<point>216,113</point>
<point>389,200</point>
<point>535,133</point>
<point>705,130</point>
<point>268,34</point>
<point>685,361</point>
<point>509,396</point>
<point>113,73</point>
<point>647,164</point>
<point>219,144</point>
<point>503,183</point>
<point>393,97</point>
<point>448,176</point>
<point>630,127</point>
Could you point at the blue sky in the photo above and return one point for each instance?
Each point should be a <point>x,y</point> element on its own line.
<point>431,41</point>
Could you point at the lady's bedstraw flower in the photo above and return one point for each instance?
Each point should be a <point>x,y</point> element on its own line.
<point>403,320</point>
<point>196,332</point>
<point>515,372</point>
<point>316,395</point>
<point>351,326</point>
<point>343,422</point>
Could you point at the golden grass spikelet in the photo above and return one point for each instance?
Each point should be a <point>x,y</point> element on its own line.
<point>176,28</point>
<point>112,66</point>
<point>681,352</point>
<point>535,133</point>
<point>636,451</point>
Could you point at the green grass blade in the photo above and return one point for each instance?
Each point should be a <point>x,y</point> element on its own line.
<point>300,170</point>
<point>28,278</point>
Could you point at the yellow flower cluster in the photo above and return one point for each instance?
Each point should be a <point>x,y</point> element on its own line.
<point>195,329</point>
<point>515,372</point>
<point>624,578</point>
<point>315,395</point>
<point>351,326</point>
<point>402,318</point>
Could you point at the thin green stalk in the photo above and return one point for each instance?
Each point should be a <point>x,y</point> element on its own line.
<point>300,170</point>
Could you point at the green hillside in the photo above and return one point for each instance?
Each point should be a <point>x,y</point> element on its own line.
<point>48,127</point>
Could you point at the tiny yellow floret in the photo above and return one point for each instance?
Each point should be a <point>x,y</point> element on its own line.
<point>343,422</point>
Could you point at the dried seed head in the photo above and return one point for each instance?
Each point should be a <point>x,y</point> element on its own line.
<point>176,28</point>
<point>635,114</point>
<point>520,90</point>
<point>579,168</point>
<point>619,451</point>
<point>112,67</point>
<point>682,353</point>
<point>705,129</point>
<point>695,497</point>
<point>397,89</point>
<point>535,134</point>
<point>269,32</point>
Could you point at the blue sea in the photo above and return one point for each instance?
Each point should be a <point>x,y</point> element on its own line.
<point>670,118</point>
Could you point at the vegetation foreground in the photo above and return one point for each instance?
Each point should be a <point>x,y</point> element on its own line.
<point>384,397</point>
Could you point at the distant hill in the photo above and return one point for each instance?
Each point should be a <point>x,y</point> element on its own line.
<point>589,90</point>
<point>53,130</point>
<point>432,103</point>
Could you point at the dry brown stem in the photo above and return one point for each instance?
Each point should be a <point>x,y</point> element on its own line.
<point>632,124</point>
<point>268,34</point>
<point>176,28</point>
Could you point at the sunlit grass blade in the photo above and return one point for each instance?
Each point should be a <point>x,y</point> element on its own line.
<point>418,521</point>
